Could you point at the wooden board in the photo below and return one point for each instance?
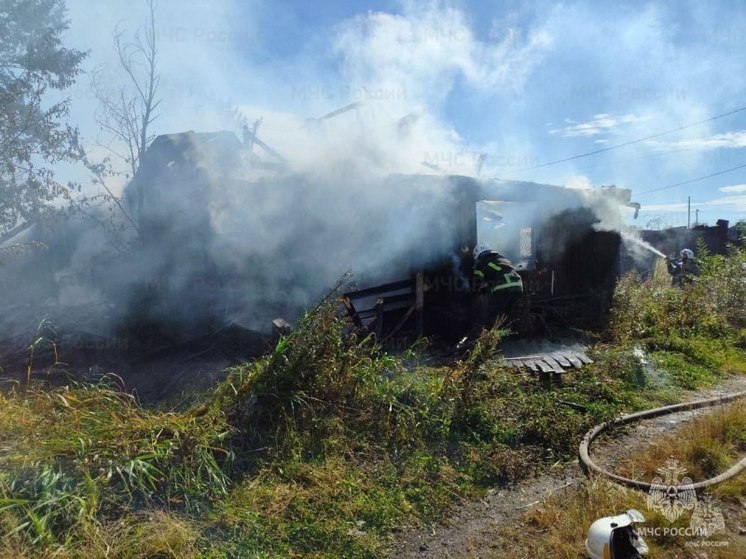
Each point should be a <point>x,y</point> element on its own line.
<point>577,363</point>
<point>584,358</point>
<point>556,367</point>
<point>545,367</point>
<point>532,365</point>
<point>561,360</point>
<point>557,362</point>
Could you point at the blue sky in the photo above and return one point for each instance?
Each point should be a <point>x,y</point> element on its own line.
<point>524,83</point>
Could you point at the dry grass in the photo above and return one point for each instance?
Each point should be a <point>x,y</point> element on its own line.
<point>74,459</point>
<point>149,534</point>
<point>558,527</point>
<point>153,534</point>
<point>709,445</point>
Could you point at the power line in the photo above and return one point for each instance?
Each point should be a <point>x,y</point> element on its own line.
<point>641,158</point>
<point>690,180</point>
<point>609,148</point>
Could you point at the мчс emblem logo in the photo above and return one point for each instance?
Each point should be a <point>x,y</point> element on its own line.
<point>670,494</point>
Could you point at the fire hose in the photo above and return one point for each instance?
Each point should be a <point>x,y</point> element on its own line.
<point>590,467</point>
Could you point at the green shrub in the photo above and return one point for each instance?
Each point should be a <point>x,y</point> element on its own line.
<point>713,306</point>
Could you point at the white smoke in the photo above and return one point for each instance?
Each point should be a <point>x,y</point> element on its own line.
<point>336,205</point>
<point>341,200</point>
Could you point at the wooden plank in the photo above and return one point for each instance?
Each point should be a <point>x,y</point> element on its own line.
<point>545,367</point>
<point>531,364</point>
<point>517,363</point>
<point>352,311</point>
<point>383,289</point>
<point>577,363</point>
<point>561,360</point>
<point>556,367</point>
<point>254,138</point>
<point>584,358</point>
<point>378,323</point>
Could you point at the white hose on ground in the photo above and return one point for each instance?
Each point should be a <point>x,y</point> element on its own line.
<point>590,467</point>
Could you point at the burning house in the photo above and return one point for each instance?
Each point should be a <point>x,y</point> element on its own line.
<point>224,242</point>
<point>559,240</point>
<point>227,239</point>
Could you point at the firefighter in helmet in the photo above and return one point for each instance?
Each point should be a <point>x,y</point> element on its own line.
<point>685,269</point>
<point>497,286</point>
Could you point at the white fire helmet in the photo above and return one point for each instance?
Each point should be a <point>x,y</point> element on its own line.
<point>613,537</point>
<point>687,253</point>
<point>480,248</point>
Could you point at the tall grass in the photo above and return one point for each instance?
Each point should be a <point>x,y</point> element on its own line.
<point>713,306</point>
<point>708,445</point>
<point>326,445</point>
<point>318,386</point>
<point>338,443</point>
<point>72,457</point>
<point>692,333</point>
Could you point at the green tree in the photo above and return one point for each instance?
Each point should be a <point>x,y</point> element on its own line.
<point>34,134</point>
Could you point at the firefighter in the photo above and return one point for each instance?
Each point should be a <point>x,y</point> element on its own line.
<point>684,270</point>
<point>496,285</point>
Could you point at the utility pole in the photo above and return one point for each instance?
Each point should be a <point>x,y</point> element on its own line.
<point>688,212</point>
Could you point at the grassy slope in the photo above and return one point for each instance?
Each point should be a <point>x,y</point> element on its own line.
<point>326,446</point>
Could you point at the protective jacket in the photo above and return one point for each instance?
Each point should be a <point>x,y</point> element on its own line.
<point>494,273</point>
<point>683,271</point>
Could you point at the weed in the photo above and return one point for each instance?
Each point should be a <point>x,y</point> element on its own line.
<point>327,445</point>
<point>709,445</point>
<point>711,307</point>
<point>75,455</point>
<point>684,373</point>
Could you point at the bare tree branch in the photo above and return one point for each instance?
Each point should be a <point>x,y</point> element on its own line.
<point>128,113</point>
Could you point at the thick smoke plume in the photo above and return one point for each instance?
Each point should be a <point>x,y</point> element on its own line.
<point>230,233</point>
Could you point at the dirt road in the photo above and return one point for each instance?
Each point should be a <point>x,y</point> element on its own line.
<point>469,532</point>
